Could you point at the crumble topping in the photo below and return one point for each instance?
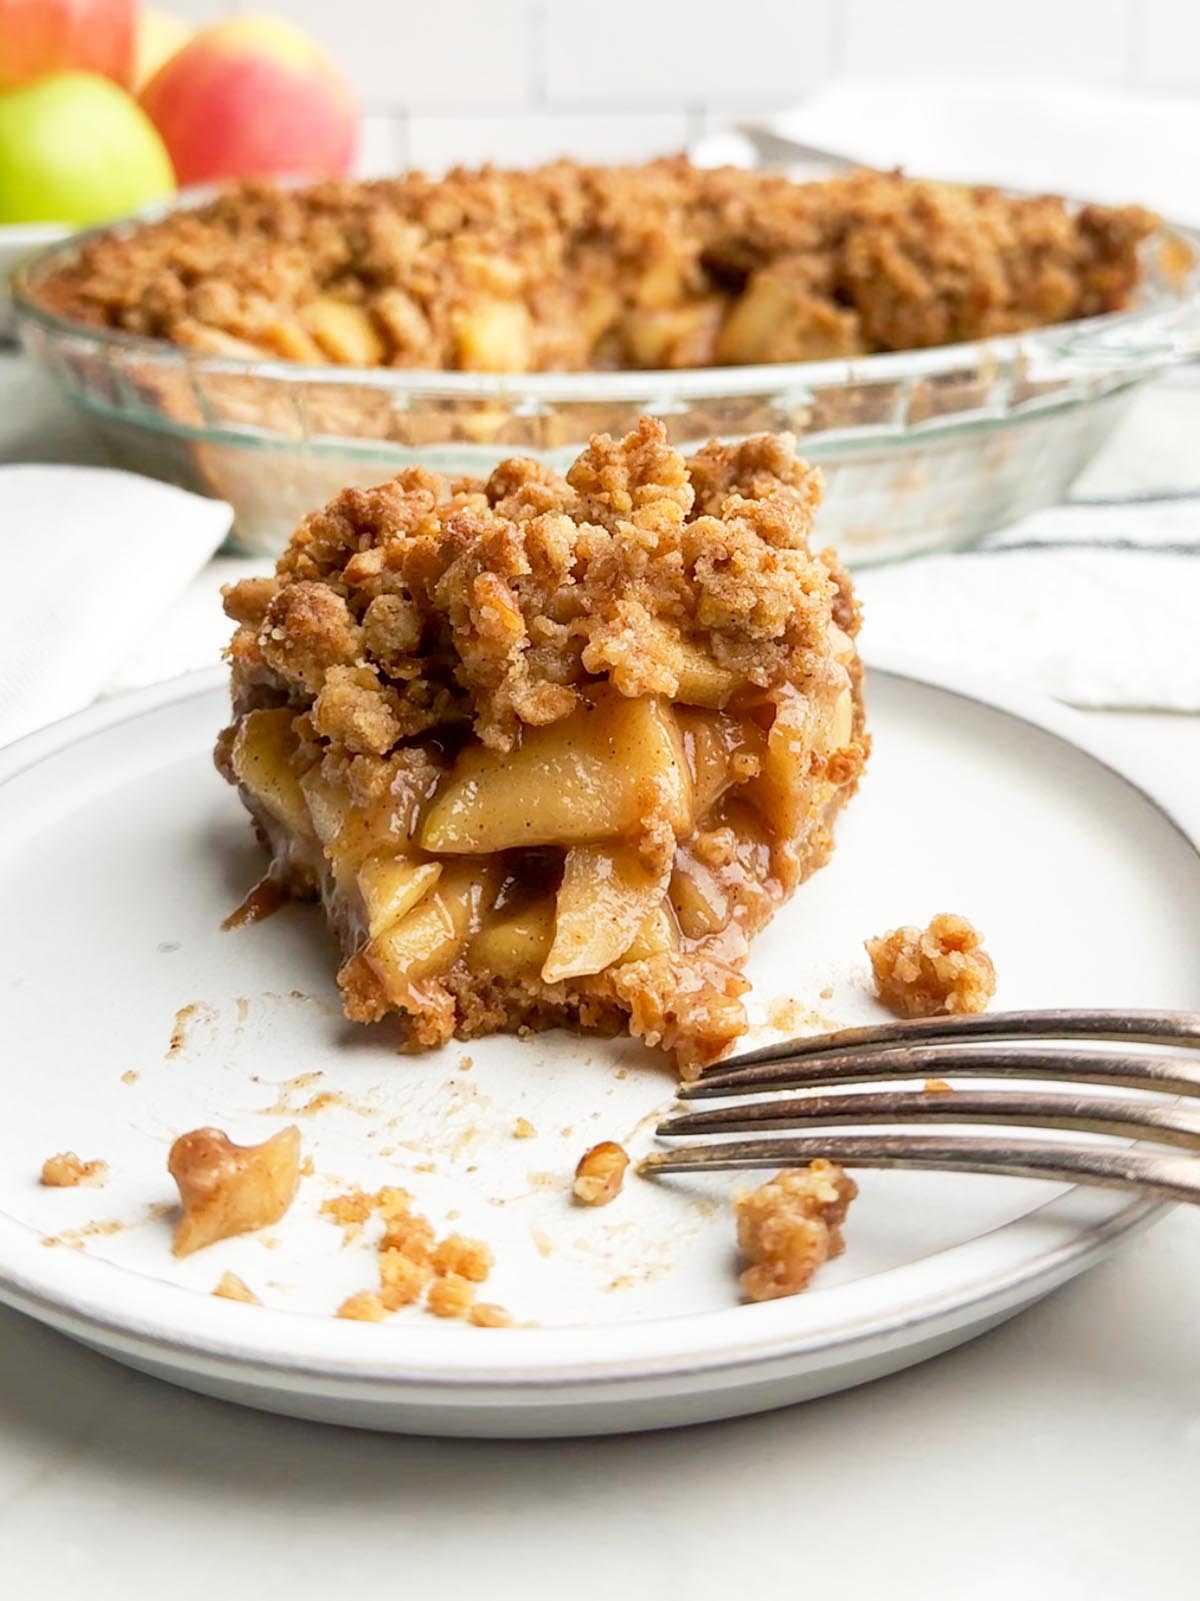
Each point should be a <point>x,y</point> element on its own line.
<point>573,267</point>
<point>790,1226</point>
<point>365,1307</point>
<point>229,1189</point>
<point>450,1296</point>
<point>231,1288</point>
<point>553,748</point>
<point>600,1173</point>
<point>933,971</point>
<point>487,1315</point>
<point>66,1170</point>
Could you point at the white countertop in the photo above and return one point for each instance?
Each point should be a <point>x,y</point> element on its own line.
<point>1057,1456</point>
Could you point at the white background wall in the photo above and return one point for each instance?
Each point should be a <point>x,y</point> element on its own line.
<point>516,81</point>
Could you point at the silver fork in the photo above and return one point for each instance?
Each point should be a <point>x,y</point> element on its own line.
<point>954,1048</point>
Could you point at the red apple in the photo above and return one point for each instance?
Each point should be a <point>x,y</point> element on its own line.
<point>38,37</point>
<point>252,97</point>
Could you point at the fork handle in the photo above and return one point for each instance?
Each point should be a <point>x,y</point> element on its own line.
<point>1166,1177</point>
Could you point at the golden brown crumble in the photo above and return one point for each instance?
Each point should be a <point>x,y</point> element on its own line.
<point>464,1257</point>
<point>450,1296</point>
<point>791,1225</point>
<point>523,1129</point>
<point>553,749</point>
<point>402,1279</point>
<point>66,1170</point>
<point>600,1173</point>
<point>352,1210</point>
<point>229,1189</point>
<point>365,1307</point>
<point>933,971</point>
<point>231,1288</point>
<point>571,267</point>
<point>487,1315</point>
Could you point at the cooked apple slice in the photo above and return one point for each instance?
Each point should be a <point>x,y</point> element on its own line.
<point>392,885</point>
<point>700,902</point>
<point>328,805</point>
<point>261,757</point>
<point>590,776</point>
<point>345,333</point>
<point>606,895</point>
<point>427,939</point>
<point>659,933</point>
<point>515,943</point>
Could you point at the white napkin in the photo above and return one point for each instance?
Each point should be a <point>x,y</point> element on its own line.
<point>1060,603</point>
<point>91,558</point>
<point>1102,144</point>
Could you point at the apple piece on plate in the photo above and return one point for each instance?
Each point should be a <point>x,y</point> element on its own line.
<point>41,37</point>
<point>76,149</point>
<point>252,97</point>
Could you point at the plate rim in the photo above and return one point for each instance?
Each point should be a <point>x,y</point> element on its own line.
<point>73,1291</point>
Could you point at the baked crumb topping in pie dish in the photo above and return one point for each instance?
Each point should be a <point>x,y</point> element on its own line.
<point>574,268</point>
<point>552,750</point>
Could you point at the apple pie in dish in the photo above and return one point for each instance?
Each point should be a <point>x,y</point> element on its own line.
<point>551,750</point>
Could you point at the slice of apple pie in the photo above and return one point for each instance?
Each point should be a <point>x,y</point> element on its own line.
<point>551,750</point>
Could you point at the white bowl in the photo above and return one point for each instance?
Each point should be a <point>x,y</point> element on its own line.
<point>18,240</point>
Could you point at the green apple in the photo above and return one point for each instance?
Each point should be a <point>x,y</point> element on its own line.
<point>75,148</point>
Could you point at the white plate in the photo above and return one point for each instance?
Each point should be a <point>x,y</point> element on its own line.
<point>121,851</point>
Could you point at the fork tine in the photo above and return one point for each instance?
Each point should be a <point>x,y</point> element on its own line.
<point>1169,1074</point>
<point>1128,1027</point>
<point>1170,1177</point>
<point>1135,1119</point>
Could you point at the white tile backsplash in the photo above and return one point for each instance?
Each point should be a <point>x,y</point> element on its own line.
<point>518,81</point>
<point>410,53</point>
<point>681,53</point>
<point>997,38</point>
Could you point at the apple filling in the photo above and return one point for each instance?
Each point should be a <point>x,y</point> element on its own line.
<point>552,751</point>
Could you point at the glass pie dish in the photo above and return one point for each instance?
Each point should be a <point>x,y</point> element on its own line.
<point>921,449</point>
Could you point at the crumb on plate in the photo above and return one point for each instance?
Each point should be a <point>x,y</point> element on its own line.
<point>934,971</point>
<point>463,1257</point>
<point>66,1170</point>
<point>365,1307</point>
<point>487,1315</point>
<point>600,1173</point>
<point>523,1129</point>
<point>790,1226</point>
<point>231,1288</point>
<point>450,1296</point>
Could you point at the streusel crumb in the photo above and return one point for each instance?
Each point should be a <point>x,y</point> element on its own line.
<point>365,1307</point>
<point>933,971</point>
<point>469,1259</point>
<point>523,1129</point>
<point>231,1288</point>
<point>487,1315</point>
<point>402,1279</point>
<point>600,1173</point>
<point>66,1170</point>
<point>790,1226</point>
<point>450,1296</point>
